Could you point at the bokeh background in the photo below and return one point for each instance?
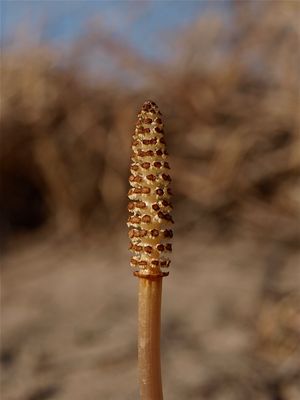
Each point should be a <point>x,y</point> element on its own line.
<point>225,74</point>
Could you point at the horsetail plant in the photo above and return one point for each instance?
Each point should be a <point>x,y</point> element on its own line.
<point>149,232</point>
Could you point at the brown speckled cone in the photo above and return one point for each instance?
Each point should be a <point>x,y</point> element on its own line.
<point>150,221</point>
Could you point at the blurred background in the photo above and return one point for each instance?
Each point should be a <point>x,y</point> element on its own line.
<point>74,75</point>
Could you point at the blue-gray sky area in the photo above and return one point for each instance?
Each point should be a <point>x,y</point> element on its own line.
<point>142,22</point>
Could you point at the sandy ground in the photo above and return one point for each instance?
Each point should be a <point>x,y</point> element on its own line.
<point>230,321</point>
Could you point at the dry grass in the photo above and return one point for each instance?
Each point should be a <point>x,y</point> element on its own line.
<point>233,133</point>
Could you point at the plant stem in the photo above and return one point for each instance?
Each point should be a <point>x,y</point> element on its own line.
<point>149,338</point>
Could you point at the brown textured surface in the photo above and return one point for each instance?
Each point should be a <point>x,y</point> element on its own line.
<point>150,203</point>
<point>229,321</point>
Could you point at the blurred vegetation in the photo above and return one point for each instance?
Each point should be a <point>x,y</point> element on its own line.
<point>229,91</point>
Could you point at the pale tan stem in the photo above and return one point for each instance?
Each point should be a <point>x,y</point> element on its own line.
<point>149,338</point>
